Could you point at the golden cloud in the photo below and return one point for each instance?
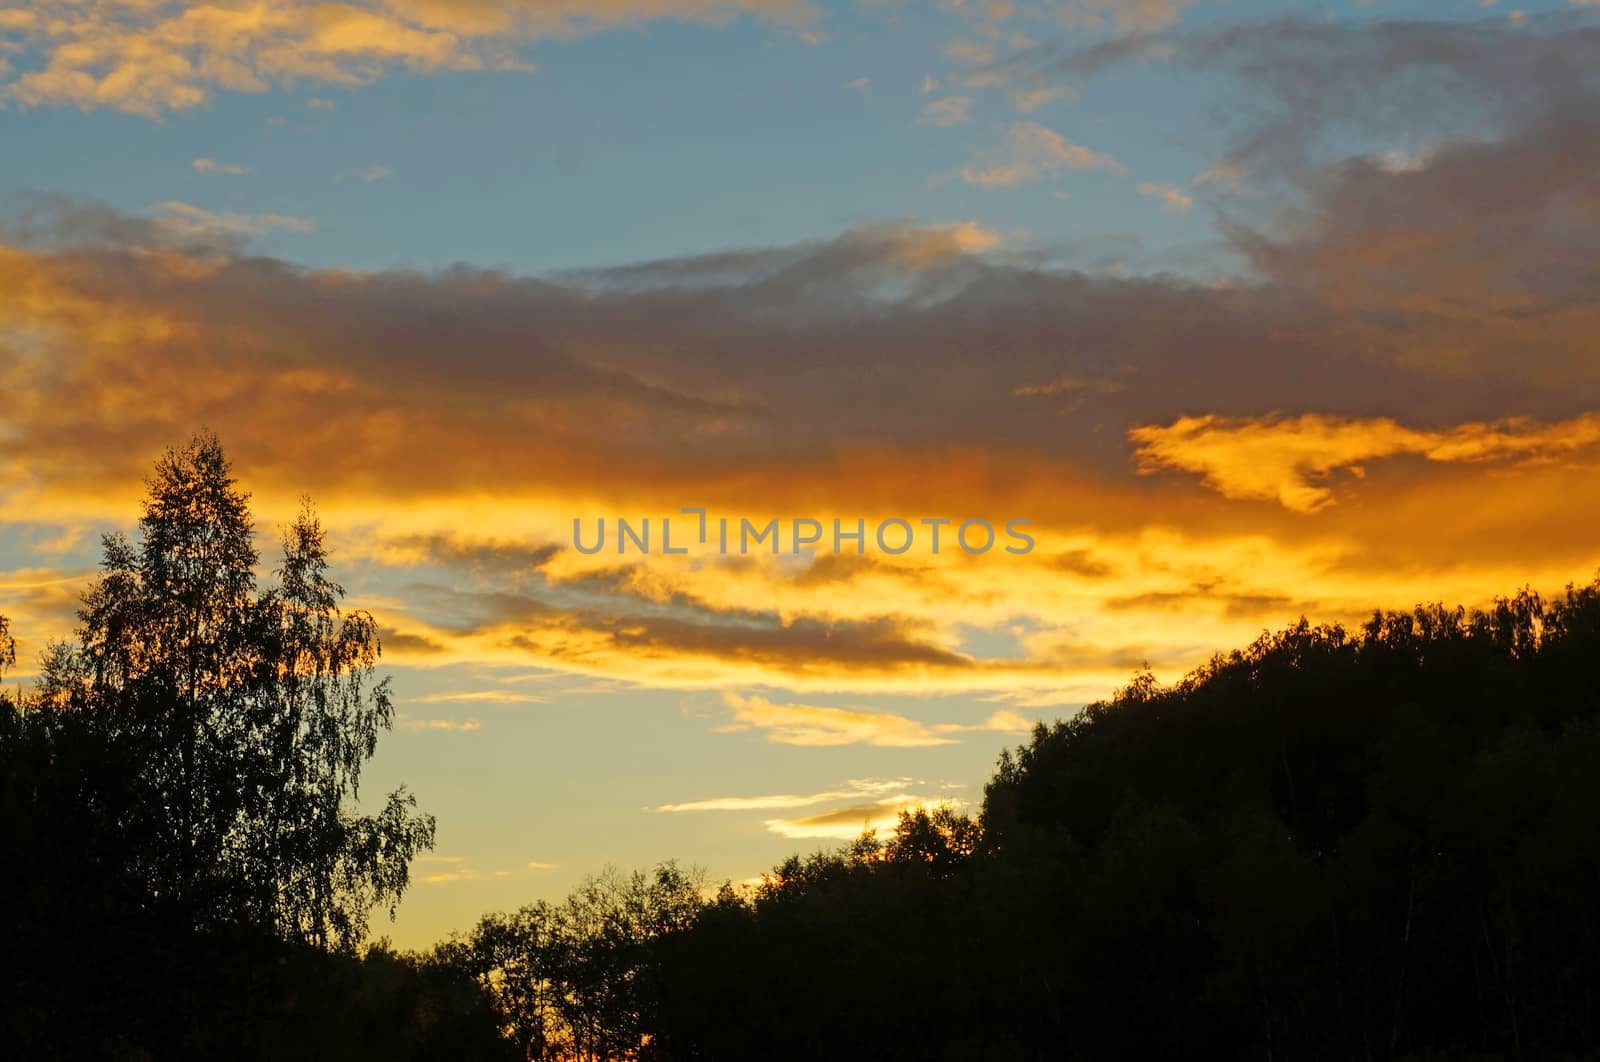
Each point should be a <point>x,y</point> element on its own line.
<point>863,804</point>
<point>851,821</point>
<point>1277,458</point>
<point>812,725</point>
<point>1031,152</point>
<point>156,56</point>
<point>855,789</point>
<point>451,427</point>
<point>405,722</point>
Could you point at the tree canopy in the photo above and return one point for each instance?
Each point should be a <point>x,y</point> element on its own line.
<point>1329,844</point>
<point>188,767</point>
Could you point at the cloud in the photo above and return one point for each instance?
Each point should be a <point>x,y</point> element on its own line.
<point>1029,100</point>
<point>405,722</point>
<point>451,424</point>
<point>1172,198</point>
<point>1031,152</point>
<point>815,726</point>
<point>160,56</point>
<point>860,84</point>
<point>964,51</point>
<point>857,259</point>
<point>1070,385</point>
<point>480,697</point>
<point>203,165</point>
<point>1004,721</point>
<point>1136,16</point>
<point>1430,324</point>
<point>1277,458</point>
<point>946,111</point>
<point>1494,244</point>
<point>862,804</point>
<point>366,175</point>
<point>455,869</point>
<point>1457,79</point>
<point>1228,173</point>
<point>783,801</point>
<point>184,222</point>
<point>846,823</point>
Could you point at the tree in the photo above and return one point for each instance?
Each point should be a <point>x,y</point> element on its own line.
<point>8,647</point>
<point>1325,845</point>
<point>250,714</point>
<point>580,980</point>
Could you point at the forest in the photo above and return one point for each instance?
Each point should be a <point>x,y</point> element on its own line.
<point>1369,843</point>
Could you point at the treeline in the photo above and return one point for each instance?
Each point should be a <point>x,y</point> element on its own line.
<point>1370,844</point>
<point>1376,844</point>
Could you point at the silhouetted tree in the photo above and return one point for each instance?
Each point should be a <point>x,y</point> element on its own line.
<point>250,713</point>
<point>579,979</point>
<point>178,816</point>
<point>1327,845</point>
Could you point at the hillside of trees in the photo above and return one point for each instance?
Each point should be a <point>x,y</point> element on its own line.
<point>1332,844</point>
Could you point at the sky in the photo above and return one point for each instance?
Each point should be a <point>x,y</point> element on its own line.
<point>1251,311</point>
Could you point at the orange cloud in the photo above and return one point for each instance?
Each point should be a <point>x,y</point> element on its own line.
<point>1172,198</point>
<point>863,804</point>
<point>1278,458</point>
<point>451,426</point>
<point>854,791</point>
<point>1031,152</point>
<point>804,724</point>
<point>157,56</point>
<point>405,722</point>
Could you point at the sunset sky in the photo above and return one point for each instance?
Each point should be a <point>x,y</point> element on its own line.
<point>1254,310</point>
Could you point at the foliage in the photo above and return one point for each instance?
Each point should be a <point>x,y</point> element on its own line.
<point>250,714</point>
<point>178,792</point>
<point>576,980</point>
<point>1378,844</point>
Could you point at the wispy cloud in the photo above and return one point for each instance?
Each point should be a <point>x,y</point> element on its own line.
<point>947,111</point>
<point>863,804</point>
<point>813,725</point>
<point>1281,458</point>
<point>1172,198</point>
<point>1029,100</point>
<point>1004,721</point>
<point>1070,385</point>
<point>454,868</point>
<point>480,697</point>
<point>854,790</point>
<point>1032,152</point>
<point>846,822</point>
<point>184,221</point>
<point>1229,174</point>
<point>456,725</point>
<point>204,165</point>
<point>366,175</point>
